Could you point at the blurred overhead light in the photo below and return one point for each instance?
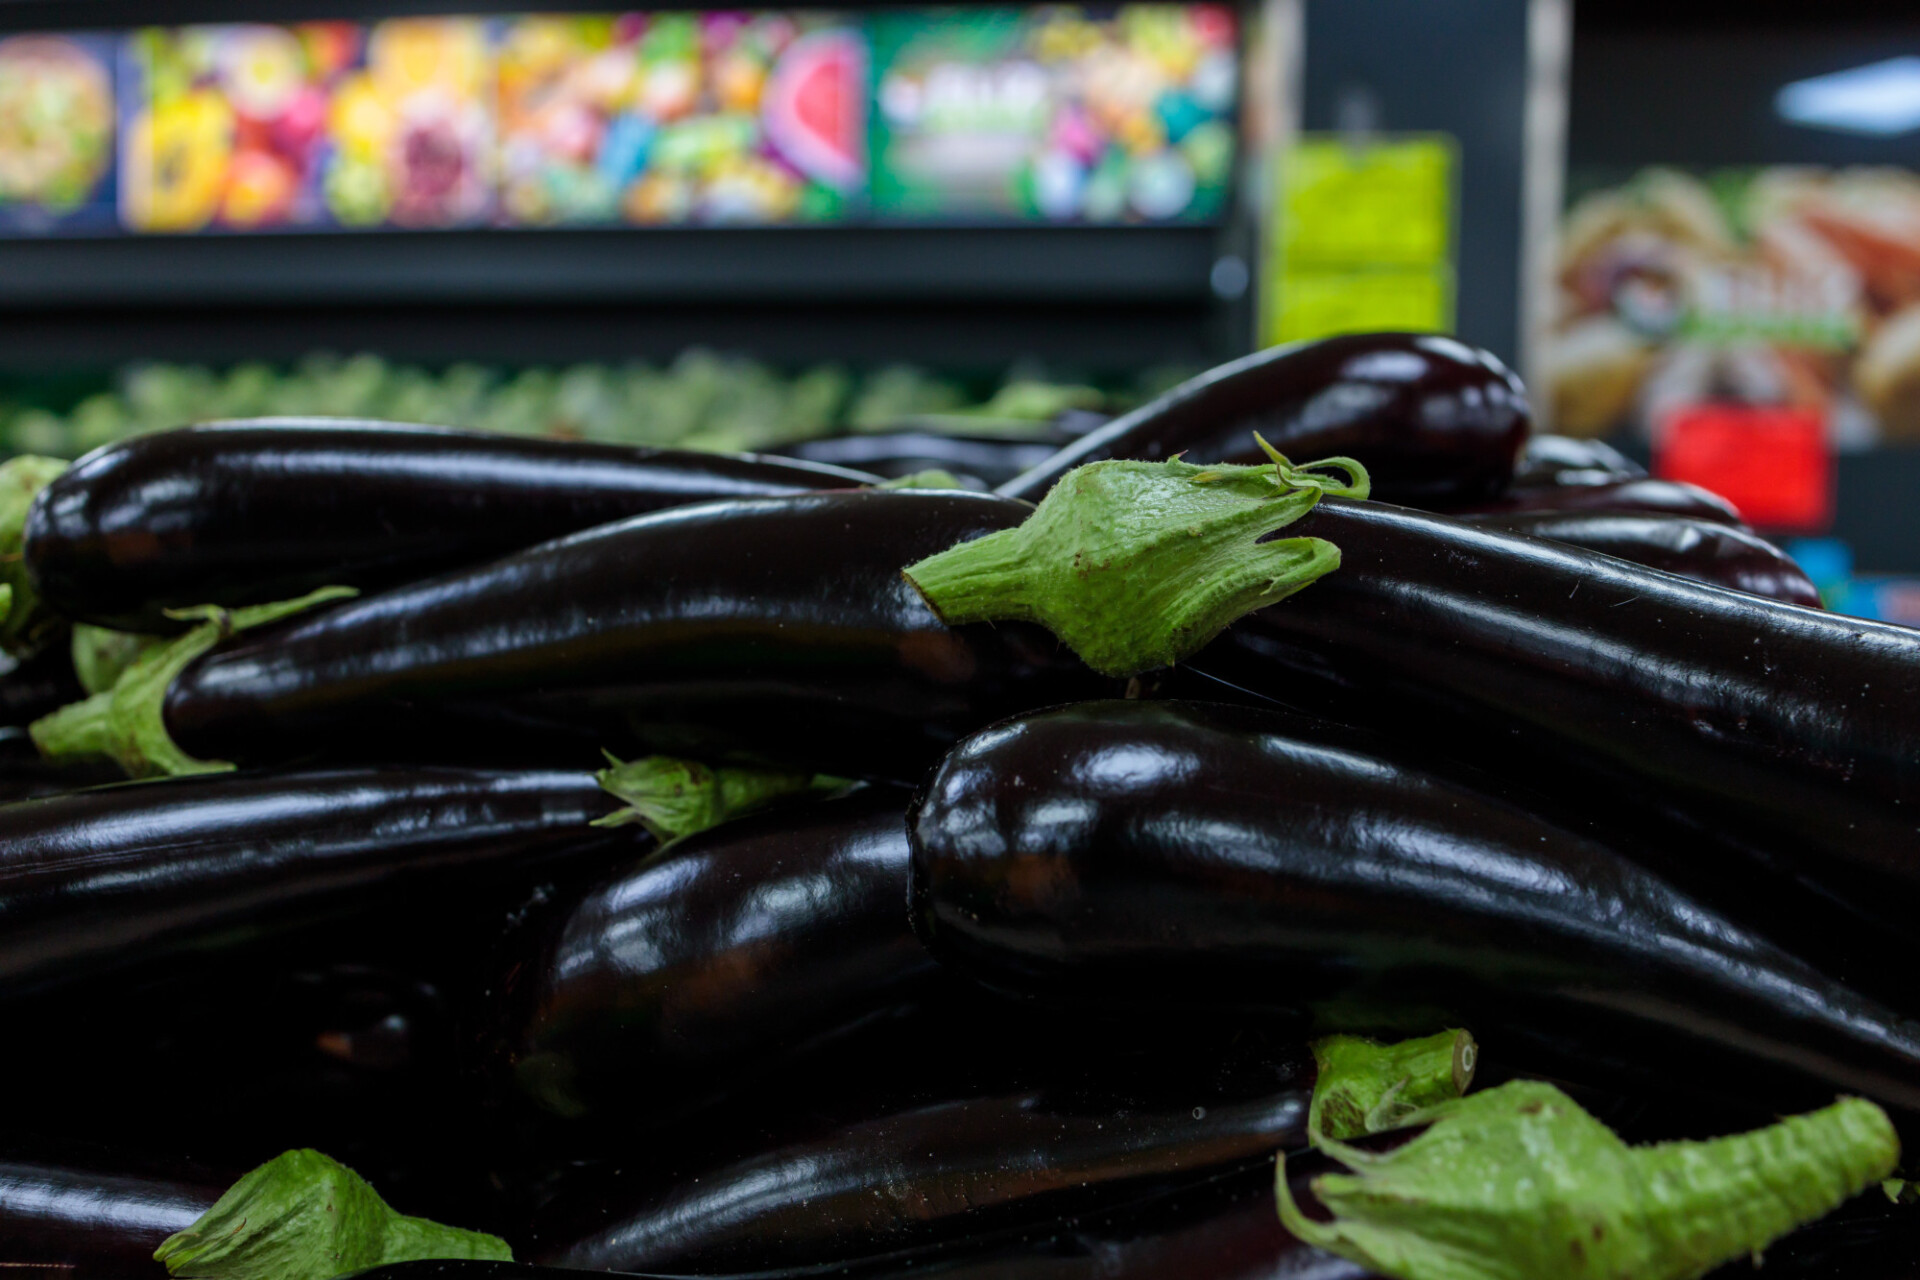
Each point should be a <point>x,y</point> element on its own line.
<point>1881,98</point>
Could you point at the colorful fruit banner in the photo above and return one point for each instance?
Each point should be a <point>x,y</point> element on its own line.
<point>1116,114</point>
<point>681,117</point>
<point>1065,114</point>
<point>312,126</point>
<point>56,134</point>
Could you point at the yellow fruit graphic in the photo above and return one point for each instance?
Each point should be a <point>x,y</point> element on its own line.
<point>177,162</point>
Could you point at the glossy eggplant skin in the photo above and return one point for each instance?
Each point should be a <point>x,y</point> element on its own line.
<point>1551,459</point>
<point>245,512</point>
<point>779,628</point>
<point>1789,730</point>
<point>1195,855</point>
<point>1598,494</point>
<point>900,453</point>
<point>1719,554</point>
<point>1434,420</point>
<point>712,958</point>
<point>117,876</point>
<point>924,1176</point>
<point>103,1226</point>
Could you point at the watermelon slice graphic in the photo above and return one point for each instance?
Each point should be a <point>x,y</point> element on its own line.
<point>815,108</point>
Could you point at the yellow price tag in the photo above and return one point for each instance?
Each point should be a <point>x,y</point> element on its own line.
<point>1363,237</point>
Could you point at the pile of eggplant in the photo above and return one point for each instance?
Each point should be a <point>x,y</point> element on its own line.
<point>1020,978</point>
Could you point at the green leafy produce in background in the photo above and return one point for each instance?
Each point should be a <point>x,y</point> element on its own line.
<point>702,400</point>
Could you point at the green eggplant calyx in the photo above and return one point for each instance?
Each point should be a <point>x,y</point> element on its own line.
<point>26,624</point>
<point>305,1216</point>
<point>1517,1183</point>
<point>932,478</point>
<point>1136,565</point>
<point>127,723</point>
<point>1363,1087</point>
<point>101,654</point>
<point>674,798</point>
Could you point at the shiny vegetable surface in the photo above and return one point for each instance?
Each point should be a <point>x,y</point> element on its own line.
<point>1155,855</point>
<point>1431,418</point>
<point>780,627</point>
<point>682,969</point>
<point>104,1226</point>
<point>118,875</point>
<point>1722,555</point>
<point>1646,496</point>
<point>1791,731</point>
<point>924,1176</point>
<point>250,511</point>
<point>1551,459</point>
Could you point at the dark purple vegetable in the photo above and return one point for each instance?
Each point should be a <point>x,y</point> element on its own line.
<point>1722,555</point>
<point>1194,856</point>
<point>251,511</point>
<point>43,683</point>
<point>899,453</point>
<point>103,1226</point>
<point>1432,419</point>
<point>679,972</point>
<point>1789,733</point>
<point>119,875</point>
<point>1550,459</point>
<point>1610,496</point>
<point>930,1175</point>
<point>781,627</point>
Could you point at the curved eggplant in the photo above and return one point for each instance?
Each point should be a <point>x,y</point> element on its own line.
<point>709,958</point>
<point>1193,856</point>
<point>1432,419</point>
<point>246,512</point>
<point>1719,554</point>
<point>1791,734</point>
<point>781,628</point>
<point>95,1226</point>
<point>927,1176</point>
<point>1551,459</point>
<point>900,453</point>
<point>118,875</point>
<point>1610,495</point>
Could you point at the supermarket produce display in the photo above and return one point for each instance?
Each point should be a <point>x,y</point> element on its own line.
<point>1311,825</point>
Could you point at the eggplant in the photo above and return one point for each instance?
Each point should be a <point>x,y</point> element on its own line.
<point>900,453</point>
<point>1434,420</point>
<point>1719,554</point>
<point>1612,495</point>
<point>678,972</point>
<point>117,876</point>
<point>929,1176</point>
<point>1181,855</point>
<point>91,1225</point>
<point>1551,459</point>
<point>777,629</point>
<point>245,512</point>
<point>24,774</point>
<point>1788,736</point>
<point>42,683</point>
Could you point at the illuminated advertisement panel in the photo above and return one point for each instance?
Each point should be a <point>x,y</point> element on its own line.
<point>1056,114</point>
